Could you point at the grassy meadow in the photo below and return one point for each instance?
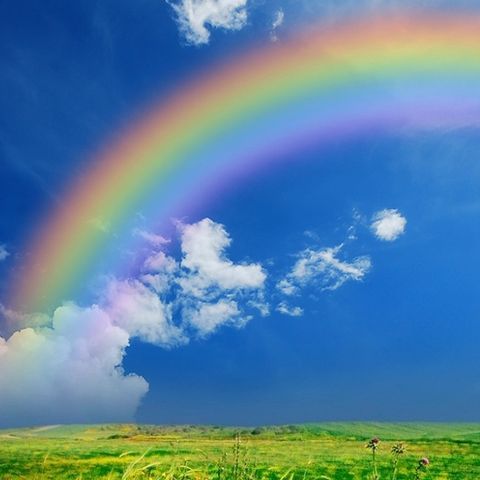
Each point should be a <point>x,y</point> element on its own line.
<point>336,451</point>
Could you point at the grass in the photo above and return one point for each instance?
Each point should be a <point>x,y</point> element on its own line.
<point>333,451</point>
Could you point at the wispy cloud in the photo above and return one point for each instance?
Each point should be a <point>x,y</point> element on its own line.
<point>4,253</point>
<point>151,238</point>
<point>288,310</point>
<point>388,224</point>
<point>324,269</point>
<point>197,17</point>
<point>277,22</point>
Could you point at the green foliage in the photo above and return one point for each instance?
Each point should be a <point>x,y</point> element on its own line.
<point>296,452</point>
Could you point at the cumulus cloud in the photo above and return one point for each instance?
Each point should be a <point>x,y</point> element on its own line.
<point>203,246</point>
<point>3,252</point>
<point>211,284</point>
<point>172,300</point>
<point>324,269</point>
<point>68,367</point>
<point>69,371</point>
<point>208,317</point>
<point>388,224</point>
<point>142,313</point>
<point>195,16</point>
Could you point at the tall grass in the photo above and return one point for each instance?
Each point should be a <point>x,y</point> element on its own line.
<point>239,464</point>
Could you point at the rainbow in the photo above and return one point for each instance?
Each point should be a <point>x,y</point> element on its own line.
<point>366,76</point>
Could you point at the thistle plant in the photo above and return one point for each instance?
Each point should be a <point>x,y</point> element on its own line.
<point>421,468</point>
<point>373,446</point>
<point>397,451</point>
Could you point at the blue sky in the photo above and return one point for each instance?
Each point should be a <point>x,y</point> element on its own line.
<point>392,338</point>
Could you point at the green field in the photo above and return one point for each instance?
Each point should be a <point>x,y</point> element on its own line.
<point>314,451</point>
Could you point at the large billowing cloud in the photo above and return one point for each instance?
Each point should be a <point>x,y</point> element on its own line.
<point>196,16</point>
<point>68,372</point>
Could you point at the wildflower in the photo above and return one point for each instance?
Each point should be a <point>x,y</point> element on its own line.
<point>373,443</point>
<point>423,463</point>
<point>399,449</point>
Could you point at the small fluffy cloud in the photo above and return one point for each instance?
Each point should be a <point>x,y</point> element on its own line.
<point>3,252</point>
<point>287,287</point>
<point>388,224</point>
<point>324,269</point>
<point>195,16</point>
<point>68,372</point>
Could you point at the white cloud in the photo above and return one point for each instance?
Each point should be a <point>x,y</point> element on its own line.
<point>171,301</point>
<point>287,287</point>
<point>203,246</point>
<point>277,22</point>
<point>142,313</point>
<point>324,269</point>
<point>152,238</point>
<point>159,272</point>
<point>211,285</point>
<point>286,309</point>
<point>209,317</point>
<point>278,19</point>
<point>194,16</point>
<point>68,367</point>
<point>158,262</point>
<point>3,252</point>
<point>68,372</point>
<point>259,303</point>
<point>388,224</point>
